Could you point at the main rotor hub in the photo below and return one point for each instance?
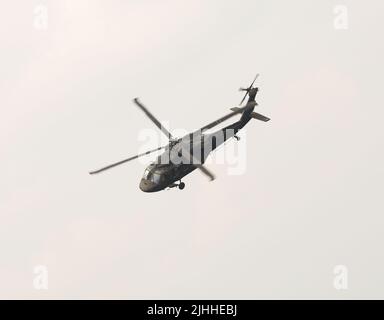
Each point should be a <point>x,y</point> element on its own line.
<point>173,141</point>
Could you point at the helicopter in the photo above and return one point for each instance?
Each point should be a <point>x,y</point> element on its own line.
<point>183,155</point>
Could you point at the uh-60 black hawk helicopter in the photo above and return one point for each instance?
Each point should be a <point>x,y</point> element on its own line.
<point>184,155</point>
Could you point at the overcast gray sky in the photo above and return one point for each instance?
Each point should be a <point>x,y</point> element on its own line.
<point>311,197</point>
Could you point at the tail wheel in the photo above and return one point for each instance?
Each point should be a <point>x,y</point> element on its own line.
<point>181,185</point>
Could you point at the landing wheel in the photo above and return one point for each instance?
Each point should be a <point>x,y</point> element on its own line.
<point>181,185</point>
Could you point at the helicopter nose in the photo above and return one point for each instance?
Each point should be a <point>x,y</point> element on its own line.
<point>147,186</point>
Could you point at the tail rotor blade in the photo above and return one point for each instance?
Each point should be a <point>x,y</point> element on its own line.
<point>249,88</point>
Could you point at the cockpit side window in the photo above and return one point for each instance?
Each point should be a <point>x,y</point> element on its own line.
<point>156,178</point>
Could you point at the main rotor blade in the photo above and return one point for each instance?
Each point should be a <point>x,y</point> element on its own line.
<point>205,171</point>
<point>197,163</point>
<point>222,119</point>
<point>152,117</point>
<point>124,161</point>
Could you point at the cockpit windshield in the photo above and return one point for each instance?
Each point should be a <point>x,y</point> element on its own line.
<point>152,176</point>
<point>147,173</point>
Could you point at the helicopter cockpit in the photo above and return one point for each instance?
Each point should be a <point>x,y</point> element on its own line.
<point>155,178</point>
<point>152,175</point>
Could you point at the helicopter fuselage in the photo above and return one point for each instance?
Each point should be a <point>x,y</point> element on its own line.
<point>181,158</point>
<point>184,155</point>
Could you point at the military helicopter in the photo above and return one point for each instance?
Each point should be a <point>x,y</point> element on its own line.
<point>183,155</point>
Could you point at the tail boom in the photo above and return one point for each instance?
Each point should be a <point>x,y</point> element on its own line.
<point>254,115</point>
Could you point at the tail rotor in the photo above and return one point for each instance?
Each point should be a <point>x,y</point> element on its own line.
<point>248,89</point>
